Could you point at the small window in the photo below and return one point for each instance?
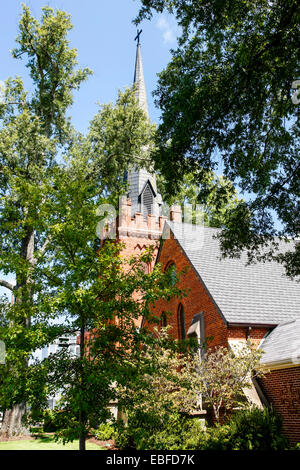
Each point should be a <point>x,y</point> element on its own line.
<point>163,320</point>
<point>181,322</point>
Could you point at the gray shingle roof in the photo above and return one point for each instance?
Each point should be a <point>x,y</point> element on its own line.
<point>282,345</point>
<point>259,293</point>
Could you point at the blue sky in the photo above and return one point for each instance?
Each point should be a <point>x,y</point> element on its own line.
<point>104,35</point>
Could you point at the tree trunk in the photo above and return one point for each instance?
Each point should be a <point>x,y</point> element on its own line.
<point>12,424</point>
<point>82,438</point>
<point>82,416</point>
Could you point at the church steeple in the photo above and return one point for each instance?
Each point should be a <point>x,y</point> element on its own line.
<point>138,79</point>
<point>142,183</point>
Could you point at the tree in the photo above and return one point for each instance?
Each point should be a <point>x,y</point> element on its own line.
<point>157,393</point>
<point>216,197</point>
<point>222,376</point>
<point>226,95</point>
<point>32,127</point>
<point>119,137</point>
<point>158,386</point>
<point>173,378</point>
<point>96,292</point>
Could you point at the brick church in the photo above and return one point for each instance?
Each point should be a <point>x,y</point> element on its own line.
<point>228,301</point>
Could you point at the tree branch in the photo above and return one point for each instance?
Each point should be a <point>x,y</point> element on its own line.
<point>6,284</point>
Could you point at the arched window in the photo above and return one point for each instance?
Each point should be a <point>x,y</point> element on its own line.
<point>163,320</point>
<point>171,265</point>
<point>181,322</point>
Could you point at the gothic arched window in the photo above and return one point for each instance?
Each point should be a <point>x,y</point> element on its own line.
<point>172,266</point>
<point>181,322</point>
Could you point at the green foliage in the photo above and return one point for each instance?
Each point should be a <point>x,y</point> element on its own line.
<point>158,385</point>
<point>226,102</point>
<point>215,197</point>
<point>122,436</point>
<point>104,432</point>
<point>119,136</point>
<point>252,429</point>
<point>54,420</point>
<point>221,376</point>
<point>249,429</point>
<point>52,66</point>
<point>32,127</point>
<point>146,430</point>
<point>171,377</point>
<point>257,430</point>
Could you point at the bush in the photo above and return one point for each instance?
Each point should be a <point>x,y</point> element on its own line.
<point>104,432</point>
<point>146,431</point>
<point>122,436</point>
<point>214,438</point>
<point>257,429</point>
<point>252,429</point>
<point>247,430</point>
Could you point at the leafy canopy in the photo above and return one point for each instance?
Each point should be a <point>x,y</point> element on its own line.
<point>226,98</point>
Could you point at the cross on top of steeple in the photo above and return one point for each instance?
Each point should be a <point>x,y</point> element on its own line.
<point>137,37</point>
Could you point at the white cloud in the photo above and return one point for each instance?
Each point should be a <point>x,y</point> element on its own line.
<point>162,23</point>
<point>168,30</point>
<point>169,36</point>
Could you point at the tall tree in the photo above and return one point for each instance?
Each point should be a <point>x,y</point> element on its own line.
<point>32,128</point>
<point>226,96</point>
<point>95,291</point>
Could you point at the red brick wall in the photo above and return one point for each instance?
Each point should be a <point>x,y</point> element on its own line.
<point>282,389</point>
<point>195,302</point>
<point>136,245</point>
<point>256,334</point>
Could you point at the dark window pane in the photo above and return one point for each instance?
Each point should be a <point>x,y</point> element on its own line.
<point>181,322</point>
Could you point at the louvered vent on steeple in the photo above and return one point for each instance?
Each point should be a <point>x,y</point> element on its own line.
<point>147,201</point>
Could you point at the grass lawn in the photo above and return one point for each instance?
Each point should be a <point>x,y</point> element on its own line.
<point>44,443</point>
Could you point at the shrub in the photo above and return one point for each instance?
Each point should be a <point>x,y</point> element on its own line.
<point>122,436</point>
<point>180,434</point>
<point>104,432</point>
<point>146,431</point>
<point>257,429</point>
<point>252,429</point>
<point>214,438</point>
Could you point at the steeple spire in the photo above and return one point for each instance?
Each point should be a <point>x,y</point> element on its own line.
<point>142,183</point>
<point>138,79</point>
